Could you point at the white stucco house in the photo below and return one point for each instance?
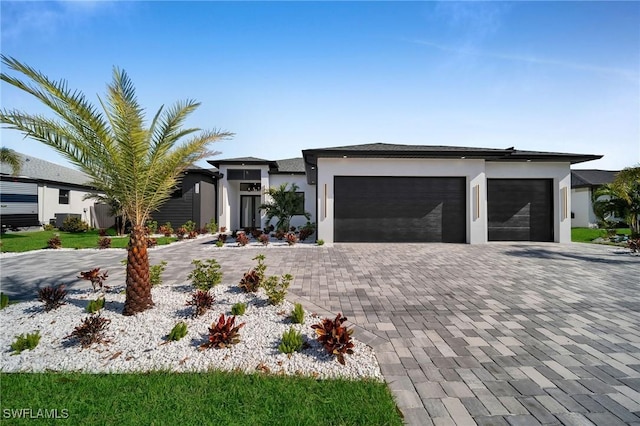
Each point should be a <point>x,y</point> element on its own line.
<point>43,193</point>
<point>583,184</point>
<point>415,193</point>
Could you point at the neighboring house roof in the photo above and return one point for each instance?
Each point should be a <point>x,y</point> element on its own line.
<point>289,166</point>
<point>591,177</point>
<point>385,150</point>
<point>36,169</point>
<point>241,161</point>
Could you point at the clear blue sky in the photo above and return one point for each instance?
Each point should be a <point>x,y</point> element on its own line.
<point>286,76</point>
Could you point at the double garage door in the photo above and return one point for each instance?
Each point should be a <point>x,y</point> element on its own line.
<point>434,209</point>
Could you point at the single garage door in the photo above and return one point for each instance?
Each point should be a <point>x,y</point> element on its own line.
<point>407,209</point>
<point>520,209</point>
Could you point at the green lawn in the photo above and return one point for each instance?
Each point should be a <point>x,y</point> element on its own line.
<point>586,235</point>
<point>27,241</point>
<point>198,399</point>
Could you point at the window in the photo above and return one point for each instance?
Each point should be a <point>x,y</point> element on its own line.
<point>243,174</point>
<point>300,204</point>
<point>251,187</point>
<point>63,196</point>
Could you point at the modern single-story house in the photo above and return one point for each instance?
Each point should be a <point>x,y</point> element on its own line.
<point>583,184</point>
<point>44,193</point>
<point>410,193</point>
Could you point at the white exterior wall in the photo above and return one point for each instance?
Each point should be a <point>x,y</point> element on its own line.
<point>581,208</point>
<point>48,203</point>
<point>561,175</point>
<point>229,195</point>
<point>309,195</point>
<point>472,170</point>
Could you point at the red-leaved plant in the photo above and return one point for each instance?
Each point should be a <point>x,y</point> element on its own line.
<point>54,242</point>
<point>223,333</point>
<point>201,301</point>
<point>335,338</point>
<point>242,239</point>
<point>91,330</point>
<point>250,282</point>
<point>52,297</point>
<point>97,279</point>
<point>104,243</point>
<point>264,239</point>
<point>291,238</point>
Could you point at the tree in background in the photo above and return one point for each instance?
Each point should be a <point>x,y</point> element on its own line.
<point>135,163</point>
<point>621,198</point>
<point>284,204</point>
<point>12,158</point>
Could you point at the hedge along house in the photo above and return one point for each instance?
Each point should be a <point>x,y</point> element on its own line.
<point>385,192</point>
<point>46,192</point>
<point>242,183</point>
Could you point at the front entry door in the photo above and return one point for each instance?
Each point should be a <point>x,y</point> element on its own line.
<point>249,211</point>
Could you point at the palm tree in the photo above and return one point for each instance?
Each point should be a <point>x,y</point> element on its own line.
<point>129,161</point>
<point>284,204</point>
<point>621,198</point>
<point>12,158</point>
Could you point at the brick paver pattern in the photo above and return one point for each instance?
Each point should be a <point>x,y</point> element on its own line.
<point>495,334</point>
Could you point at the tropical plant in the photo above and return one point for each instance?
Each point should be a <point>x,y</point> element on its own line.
<point>201,300</point>
<point>264,239</point>
<point>95,305</point>
<point>223,333</point>
<point>91,330</point>
<point>238,308</point>
<point>12,158</point>
<point>4,300</point>
<point>97,279</point>
<point>277,290</point>
<point>242,239</point>
<point>297,314</point>
<point>212,226</point>
<point>104,243</point>
<point>177,332</point>
<point>205,275</point>
<point>320,242</point>
<point>292,341</point>
<point>621,198</point>
<point>25,342</point>
<point>291,238</point>
<point>132,162</point>
<point>306,231</point>
<point>54,242</point>
<point>155,273</point>
<point>52,297</point>
<point>284,204</point>
<point>334,337</point>
<point>152,226</point>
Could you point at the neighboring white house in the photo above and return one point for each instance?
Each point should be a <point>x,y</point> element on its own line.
<point>43,193</point>
<point>415,193</point>
<point>583,183</point>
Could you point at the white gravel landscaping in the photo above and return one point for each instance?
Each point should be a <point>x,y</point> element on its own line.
<point>138,343</point>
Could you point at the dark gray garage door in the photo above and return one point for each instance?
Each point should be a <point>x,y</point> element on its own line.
<point>409,209</point>
<point>520,209</point>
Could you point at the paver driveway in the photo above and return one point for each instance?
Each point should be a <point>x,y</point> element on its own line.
<point>491,334</point>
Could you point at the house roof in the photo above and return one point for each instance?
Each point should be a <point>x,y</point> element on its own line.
<point>241,161</point>
<point>591,177</point>
<point>290,165</point>
<point>386,150</point>
<point>37,169</point>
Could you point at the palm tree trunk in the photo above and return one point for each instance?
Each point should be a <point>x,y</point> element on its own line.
<point>138,292</point>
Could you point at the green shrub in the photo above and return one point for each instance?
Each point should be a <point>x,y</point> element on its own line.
<point>238,309</point>
<point>189,225</point>
<point>292,341</point>
<point>277,290</point>
<point>95,305</point>
<point>155,273</point>
<point>212,226</point>
<point>320,242</point>
<point>177,332</point>
<point>205,275</point>
<point>74,225</point>
<point>25,341</point>
<point>48,227</point>
<point>4,300</point>
<point>152,226</point>
<point>297,314</point>
<point>219,243</point>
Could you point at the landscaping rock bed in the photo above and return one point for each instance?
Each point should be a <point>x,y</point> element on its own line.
<point>138,343</point>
